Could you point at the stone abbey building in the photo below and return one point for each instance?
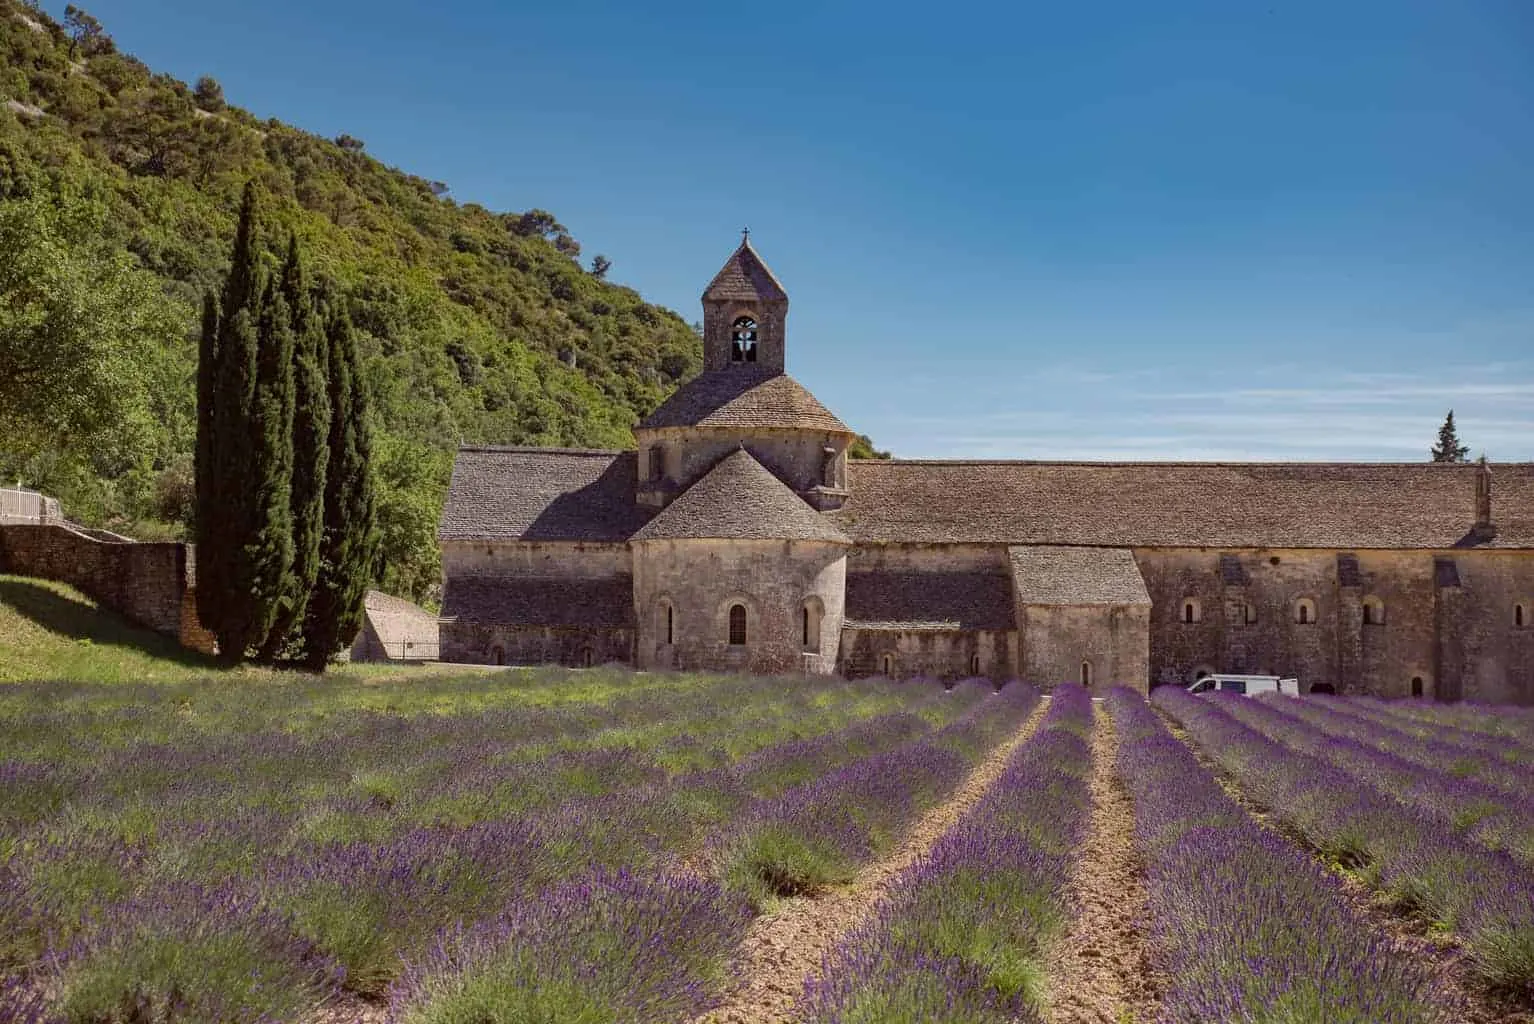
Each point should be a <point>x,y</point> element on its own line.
<point>741,536</point>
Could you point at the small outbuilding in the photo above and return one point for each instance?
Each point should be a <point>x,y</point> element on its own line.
<point>394,630</point>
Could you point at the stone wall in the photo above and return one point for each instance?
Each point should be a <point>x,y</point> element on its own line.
<point>701,579</point>
<point>933,653</point>
<point>477,644</point>
<point>148,584</point>
<point>1055,641</point>
<point>1439,620</point>
<point>582,560</point>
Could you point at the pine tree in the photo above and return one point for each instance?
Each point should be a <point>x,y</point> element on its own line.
<point>228,374</point>
<point>349,546</point>
<point>269,546</point>
<point>311,452</point>
<point>1448,448</point>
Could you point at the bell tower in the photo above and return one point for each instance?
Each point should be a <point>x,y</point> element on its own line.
<point>744,309</point>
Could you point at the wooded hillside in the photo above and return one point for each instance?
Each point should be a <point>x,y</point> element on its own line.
<point>474,326</point>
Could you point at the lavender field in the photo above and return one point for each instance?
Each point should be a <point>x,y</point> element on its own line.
<point>605,846</point>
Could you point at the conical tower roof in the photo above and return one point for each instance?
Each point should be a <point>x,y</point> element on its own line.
<point>739,499</point>
<point>745,277</point>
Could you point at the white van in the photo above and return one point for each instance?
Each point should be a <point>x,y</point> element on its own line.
<point>1250,685</point>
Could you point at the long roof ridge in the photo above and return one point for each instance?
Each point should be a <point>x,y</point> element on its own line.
<point>1183,463</point>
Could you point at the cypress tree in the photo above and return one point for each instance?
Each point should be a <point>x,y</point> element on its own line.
<point>349,544</point>
<point>1448,448</point>
<point>311,451</point>
<point>224,443</point>
<point>269,546</point>
<point>206,522</point>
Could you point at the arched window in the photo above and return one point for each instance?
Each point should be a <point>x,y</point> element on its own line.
<point>1416,686</point>
<point>1520,616</point>
<point>1086,674</point>
<point>974,664</point>
<point>809,618</point>
<point>743,340</point>
<point>737,624</point>
<point>887,666</point>
<point>587,657</point>
<point>1305,611</point>
<point>1374,611</point>
<point>1191,612</point>
<point>497,655</point>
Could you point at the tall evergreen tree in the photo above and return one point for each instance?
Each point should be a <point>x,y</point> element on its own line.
<point>350,544</point>
<point>269,546</point>
<point>311,451</point>
<point>1448,448</point>
<point>207,368</point>
<point>224,520</point>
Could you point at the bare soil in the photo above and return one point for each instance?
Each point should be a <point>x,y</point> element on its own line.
<point>788,944</point>
<point>1101,971</point>
<point>1468,1001</point>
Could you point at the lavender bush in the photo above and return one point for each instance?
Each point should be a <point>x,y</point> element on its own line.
<point>1484,896</point>
<point>818,834</point>
<point>962,933</point>
<point>609,947</point>
<point>1249,928</point>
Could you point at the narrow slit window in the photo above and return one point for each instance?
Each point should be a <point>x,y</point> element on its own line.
<point>1416,686</point>
<point>888,666</point>
<point>974,665</point>
<point>670,625</point>
<point>1086,674</point>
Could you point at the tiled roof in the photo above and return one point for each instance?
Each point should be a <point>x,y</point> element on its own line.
<point>929,600</point>
<point>740,397</point>
<point>394,618</point>
<point>541,494</point>
<point>739,499</point>
<point>1044,574</point>
<point>1301,505</point>
<point>744,277</point>
<point>540,601</point>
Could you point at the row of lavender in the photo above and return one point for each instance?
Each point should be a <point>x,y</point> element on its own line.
<point>1489,801</point>
<point>1515,724</point>
<point>1351,816</point>
<point>118,919</point>
<point>1495,762</point>
<point>1250,927</point>
<point>963,933</point>
<point>638,946</point>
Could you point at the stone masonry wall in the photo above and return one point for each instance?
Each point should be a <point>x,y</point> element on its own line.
<point>932,653</point>
<point>701,579</point>
<point>797,457</point>
<point>1056,640</point>
<point>473,644</point>
<point>148,584</point>
<point>1450,628</point>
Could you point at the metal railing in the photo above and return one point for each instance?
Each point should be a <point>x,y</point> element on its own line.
<point>19,505</point>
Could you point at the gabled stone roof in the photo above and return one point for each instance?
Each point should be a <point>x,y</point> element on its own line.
<point>570,601</point>
<point>739,397</point>
<point>744,278</point>
<point>739,499</point>
<point>1045,574</point>
<point>1166,504</point>
<point>394,618</point>
<point>929,600</point>
<point>541,494</point>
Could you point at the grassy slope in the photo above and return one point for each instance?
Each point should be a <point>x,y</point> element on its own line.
<point>49,631</point>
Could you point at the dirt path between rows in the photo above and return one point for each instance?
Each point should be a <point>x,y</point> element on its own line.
<point>1101,971</point>
<point>1440,957</point>
<point>786,946</point>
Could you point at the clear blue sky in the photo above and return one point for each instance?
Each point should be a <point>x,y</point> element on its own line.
<point>1059,230</point>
